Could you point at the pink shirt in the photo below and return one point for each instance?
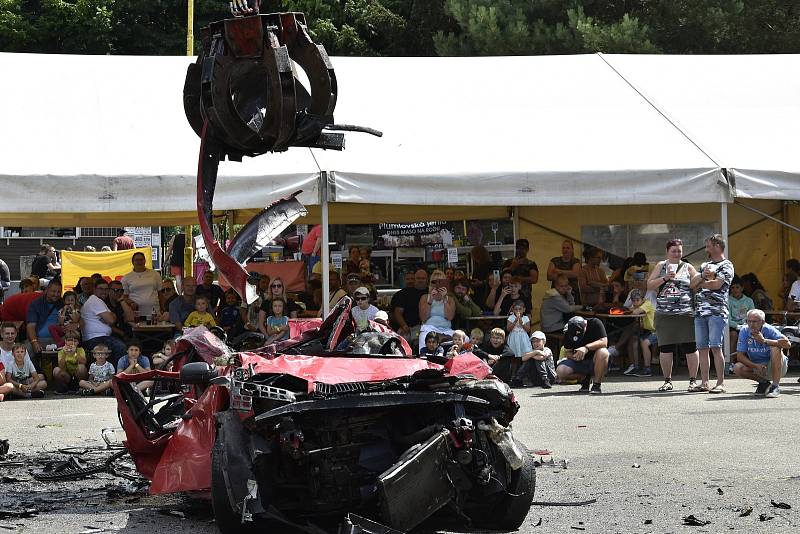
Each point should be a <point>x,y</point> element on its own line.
<point>311,239</point>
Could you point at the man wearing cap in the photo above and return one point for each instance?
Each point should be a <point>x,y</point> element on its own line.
<point>363,312</point>
<point>585,353</point>
<point>523,267</point>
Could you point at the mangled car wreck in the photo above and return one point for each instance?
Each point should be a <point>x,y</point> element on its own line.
<point>331,427</point>
<point>319,426</point>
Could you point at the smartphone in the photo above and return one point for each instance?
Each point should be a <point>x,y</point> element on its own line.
<point>496,275</point>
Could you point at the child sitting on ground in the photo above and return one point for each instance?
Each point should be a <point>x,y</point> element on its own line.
<point>277,326</point>
<point>459,344</point>
<point>537,365</point>
<point>100,373</point>
<point>432,347</point>
<point>229,314</point>
<point>133,363</point>
<point>69,318</point>
<point>28,384</point>
<point>166,352</point>
<point>363,312</point>
<point>200,315</point>
<point>71,364</point>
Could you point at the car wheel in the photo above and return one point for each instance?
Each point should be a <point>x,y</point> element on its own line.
<point>511,509</point>
<point>227,519</point>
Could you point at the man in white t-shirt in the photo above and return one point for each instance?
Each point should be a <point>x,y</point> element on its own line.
<point>141,285</point>
<point>96,322</point>
<point>8,334</point>
<point>793,300</point>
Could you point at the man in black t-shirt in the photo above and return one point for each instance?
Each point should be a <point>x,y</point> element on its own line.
<point>405,306</point>
<point>523,267</point>
<point>586,351</point>
<point>45,265</point>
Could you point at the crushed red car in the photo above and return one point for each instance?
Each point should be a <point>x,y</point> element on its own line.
<point>331,427</point>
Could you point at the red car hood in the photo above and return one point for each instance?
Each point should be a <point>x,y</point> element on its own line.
<point>338,370</point>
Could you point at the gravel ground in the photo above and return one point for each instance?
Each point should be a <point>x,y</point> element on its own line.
<point>649,460</point>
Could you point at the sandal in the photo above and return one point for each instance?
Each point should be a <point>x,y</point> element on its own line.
<point>666,386</point>
<point>717,389</point>
<point>694,388</point>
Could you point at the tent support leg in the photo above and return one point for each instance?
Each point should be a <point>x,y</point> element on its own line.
<point>723,225</point>
<point>323,250</point>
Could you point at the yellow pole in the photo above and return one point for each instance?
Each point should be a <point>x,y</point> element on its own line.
<point>188,251</point>
<point>190,29</point>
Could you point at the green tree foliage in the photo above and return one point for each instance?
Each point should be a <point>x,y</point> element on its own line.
<point>421,27</point>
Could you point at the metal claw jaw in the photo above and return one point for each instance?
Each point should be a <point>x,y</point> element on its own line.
<point>245,86</point>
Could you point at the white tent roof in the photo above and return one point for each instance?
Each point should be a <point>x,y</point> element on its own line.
<point>108,133</point>
<point>546,130</point>
<point>743,111</point>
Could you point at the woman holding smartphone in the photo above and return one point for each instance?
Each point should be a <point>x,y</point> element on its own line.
<point>436,308</point>
<point>674,317</point>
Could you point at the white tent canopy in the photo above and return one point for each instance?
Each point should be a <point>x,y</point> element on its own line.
<point>743,111</point>
<point>108,133</point>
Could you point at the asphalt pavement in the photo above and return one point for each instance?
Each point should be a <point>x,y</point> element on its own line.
<point>648,459</point>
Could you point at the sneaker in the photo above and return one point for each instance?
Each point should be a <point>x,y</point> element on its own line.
<point>585,385</point>
<point>546,384</point>
<point>773,391</point>
<point>596,389</point>
<point>516,383</point>
<point>762,387</point>
<point>39,394</point>
<point>646,372</point>
<point>87,392</point>
<point>630,371</point>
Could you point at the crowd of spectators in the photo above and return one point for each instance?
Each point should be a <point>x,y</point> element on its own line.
<point>682,310</point>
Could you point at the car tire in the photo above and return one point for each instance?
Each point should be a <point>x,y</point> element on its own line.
<point>227,519</point>
<point>511,509</point>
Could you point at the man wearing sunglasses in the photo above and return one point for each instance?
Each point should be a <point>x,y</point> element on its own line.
<point>121,309</point>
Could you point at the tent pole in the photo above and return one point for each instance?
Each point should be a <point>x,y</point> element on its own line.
<point>726,339</point>
<point>323,249</point>
<point>188,253</point>
<point>515,218</point>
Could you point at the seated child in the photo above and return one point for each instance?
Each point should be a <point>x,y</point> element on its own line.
<point>363,312</point>
<point>71,364</point>
<point>69,318</point>
<point>459,344</point>
<point>537,365</point>
<point>100,373</point>
<point>432,347</point>
<point>277,327</point>
<point>133,363</point>
<point>229,314</point>
<point>166,351</point>
<point>200,315</point>
<point>476,337</point>
<point>27,383</point>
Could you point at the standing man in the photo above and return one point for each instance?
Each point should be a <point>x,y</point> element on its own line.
<point>523,267</point>
<point>123,241</point>
<point>760,355</point>
<point>141,286</point>
<point>712,284</point>
<point>5,279</point>
<point>405,305</point>
<point>311,247</point>
<point>42,313</point>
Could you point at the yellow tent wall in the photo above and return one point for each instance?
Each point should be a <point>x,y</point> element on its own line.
<point>756,249</point>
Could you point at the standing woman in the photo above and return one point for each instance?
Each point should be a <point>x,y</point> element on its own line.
<point>592,279</point>
<point>436,308</point>
<point>674,318</point>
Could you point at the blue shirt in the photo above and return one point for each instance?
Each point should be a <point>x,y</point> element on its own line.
<point>38,314</point>
<point>124,362</point>
<point>757,352</point>
<point>179,310</point>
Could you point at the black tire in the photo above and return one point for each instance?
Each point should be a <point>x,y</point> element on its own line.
<point>512,508</point>
<point>227,519</point>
